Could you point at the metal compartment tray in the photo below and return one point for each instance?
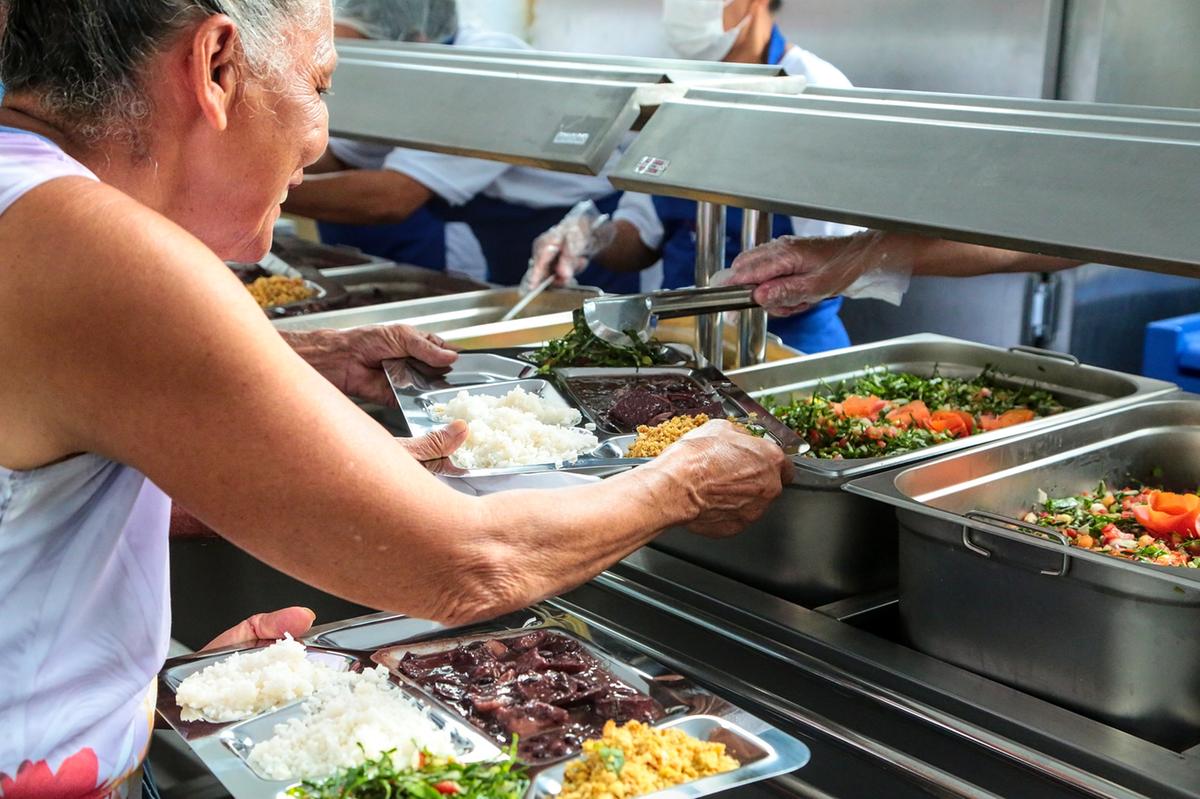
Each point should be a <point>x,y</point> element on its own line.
<point>735,403</point>
<point>1109,638</point>
<point>764,750</point>
<point>819,544</point>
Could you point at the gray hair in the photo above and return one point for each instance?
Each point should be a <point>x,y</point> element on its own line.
<point>83,59</point>
<point>400,20</point>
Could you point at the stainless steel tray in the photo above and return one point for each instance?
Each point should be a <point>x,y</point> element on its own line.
<point>735,402</point>
<point>1110,638</point>
<point>417,409</point>
<point>440,314</point>
<point>764,750</point>
<point>819,544</point>
<point>225,747</point>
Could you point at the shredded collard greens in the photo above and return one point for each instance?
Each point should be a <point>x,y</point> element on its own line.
<point>434,778</point>
<point>581,347</point>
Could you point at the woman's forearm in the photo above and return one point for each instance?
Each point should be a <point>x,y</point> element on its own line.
<point>627,252</point>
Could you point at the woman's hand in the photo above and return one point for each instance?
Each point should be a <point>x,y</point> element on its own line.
<point>733,476</point>
<point>353,359</point>
<point>265,627</point>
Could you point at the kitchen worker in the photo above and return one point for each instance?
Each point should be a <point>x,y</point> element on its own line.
<point>491,211</point>
<point>137,370</point>
<point>644,229</point>
<point>794,274</point>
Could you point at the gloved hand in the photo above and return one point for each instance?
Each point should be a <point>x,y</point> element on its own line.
<point>564,250</point>
<point>794,274</point>
<point>733,476</point>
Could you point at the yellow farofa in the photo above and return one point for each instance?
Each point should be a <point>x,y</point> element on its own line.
<point>278,290</point>
<point>654,759</point>
<point>651,441</point>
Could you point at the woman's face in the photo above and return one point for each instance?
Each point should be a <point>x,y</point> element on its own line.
<point>276,127</point>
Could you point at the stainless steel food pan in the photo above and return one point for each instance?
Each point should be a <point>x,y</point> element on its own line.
<point>1113,639</point>
<point>818,544</point>
<point>438,314</point>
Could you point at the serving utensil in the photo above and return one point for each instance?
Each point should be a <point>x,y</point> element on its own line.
<point>616,319</point>
<point>524,302</point>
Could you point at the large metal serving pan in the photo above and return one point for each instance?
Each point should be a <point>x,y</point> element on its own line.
<point>819,544</point>
<point>526,332</point>
<point>1112,639</point>
<point>454,312</point>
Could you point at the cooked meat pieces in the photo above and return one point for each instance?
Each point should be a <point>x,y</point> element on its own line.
<point>542,686</point>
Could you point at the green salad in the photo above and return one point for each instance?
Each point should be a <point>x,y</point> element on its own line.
<point>434,777</point>
<point>887,413</point>
<point>581,347</point>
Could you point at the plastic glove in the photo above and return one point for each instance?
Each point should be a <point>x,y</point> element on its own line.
<point>794,274</point>
<point>564,250</point>
<point>733,477</point>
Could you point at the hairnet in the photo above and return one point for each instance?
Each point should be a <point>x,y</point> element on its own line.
<point>400,20</point>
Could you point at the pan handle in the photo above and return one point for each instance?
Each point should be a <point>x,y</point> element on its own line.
<point>991,524</point>
<point>1041,353</point>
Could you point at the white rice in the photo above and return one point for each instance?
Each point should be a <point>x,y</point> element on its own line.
<point>517,429</point>
<point>244,685</point>
<point>353,718</point>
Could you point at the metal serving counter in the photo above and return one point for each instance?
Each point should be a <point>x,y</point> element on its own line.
<point>882,720</point>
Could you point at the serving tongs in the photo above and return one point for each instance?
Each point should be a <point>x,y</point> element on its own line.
<point>618,319</point>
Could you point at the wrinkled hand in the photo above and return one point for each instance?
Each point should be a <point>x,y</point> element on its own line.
<point>564,250</point>
<point>266,627</point>
<point>794,274</point>
<point>733,476</point>
<point>353,359</point>
<point>438,445</point>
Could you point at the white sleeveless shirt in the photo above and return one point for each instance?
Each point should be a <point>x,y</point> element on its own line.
<point>84,609</point>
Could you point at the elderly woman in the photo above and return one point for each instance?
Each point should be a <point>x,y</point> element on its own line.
<point>142,141</point>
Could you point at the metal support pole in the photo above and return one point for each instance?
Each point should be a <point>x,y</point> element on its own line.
<point>752,325</point>
<point>710,259</point>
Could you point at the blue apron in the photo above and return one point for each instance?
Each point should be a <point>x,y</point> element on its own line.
<point>419,240</point>
<point>506,233</point>
<point>817,329</point>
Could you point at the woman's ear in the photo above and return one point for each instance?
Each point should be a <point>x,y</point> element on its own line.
<point>214,68</point>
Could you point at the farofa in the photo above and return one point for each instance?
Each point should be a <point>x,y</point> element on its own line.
<point>651,441</point>
<point>637,759</point>
<point>278,290</point>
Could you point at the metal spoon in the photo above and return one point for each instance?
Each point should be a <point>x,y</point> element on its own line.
<point>524,302</point>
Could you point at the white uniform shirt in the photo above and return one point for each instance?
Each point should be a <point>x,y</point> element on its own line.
<point>638,209</point>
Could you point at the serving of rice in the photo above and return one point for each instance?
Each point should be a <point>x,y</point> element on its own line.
<point>517,429</point>
<point>246,684</point>
<point>637,759</point>
<point>353,718</point>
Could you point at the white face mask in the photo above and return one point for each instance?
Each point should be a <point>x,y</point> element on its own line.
<point>696,28</point>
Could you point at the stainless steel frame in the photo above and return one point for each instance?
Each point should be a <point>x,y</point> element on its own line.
<point>1001,181</point>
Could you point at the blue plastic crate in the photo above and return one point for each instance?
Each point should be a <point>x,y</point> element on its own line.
<point>1173,351</point>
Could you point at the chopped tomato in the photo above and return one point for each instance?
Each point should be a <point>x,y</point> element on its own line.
<point>448,787</point>
<point>956,423</point>
<point>863,407</point>
<point>915,413</point>
<point>1168,513</point>
<point>1015,416</point>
